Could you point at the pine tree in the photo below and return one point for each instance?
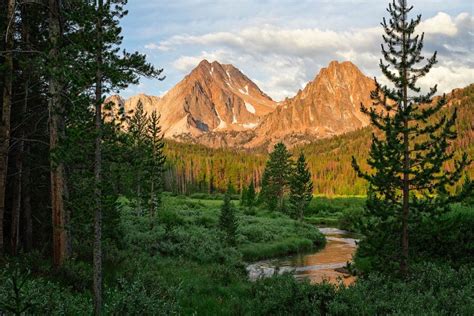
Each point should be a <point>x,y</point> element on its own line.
<point>301,188</point>
<point>409,181</point>
<point>227,219</point>
<point>156,163</point>
<point>251,195</point>
<point>113,70</point>
<point>7,95</point>
<point>137,128</point>
<point>275,177</point>
<point>244,196</point>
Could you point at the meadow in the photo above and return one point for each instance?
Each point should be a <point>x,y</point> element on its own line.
<point>182,266</point>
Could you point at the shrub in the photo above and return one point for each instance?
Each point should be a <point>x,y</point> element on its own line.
<point>283,295</point>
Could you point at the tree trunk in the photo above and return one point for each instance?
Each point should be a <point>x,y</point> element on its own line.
<point>19,157</point>
<point>56,133</point>
<point>26,193</point>
<point>6,113</point>
<point>17,197</point>
<point>406,161</point>
<point>98,169</point>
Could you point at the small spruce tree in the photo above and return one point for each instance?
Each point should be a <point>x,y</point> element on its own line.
<point>301,188</point>
<point>244,196</point>
<point>155,162</point>
<point>275,178</point>
<point>227,219</point>
<point>251,195</point>
<point>409,182</point>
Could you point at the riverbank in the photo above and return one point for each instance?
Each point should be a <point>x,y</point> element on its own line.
<point>324,265</point>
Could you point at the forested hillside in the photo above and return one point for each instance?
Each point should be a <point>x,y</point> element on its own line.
<point>194,168</point>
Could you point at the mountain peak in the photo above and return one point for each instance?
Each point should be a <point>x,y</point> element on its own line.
<point>346,67</point>
<point>346,63</point>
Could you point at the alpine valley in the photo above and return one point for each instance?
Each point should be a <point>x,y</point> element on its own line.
<point>220,126</point>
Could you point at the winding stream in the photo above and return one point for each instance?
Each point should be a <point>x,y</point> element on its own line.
<point>316,267</point>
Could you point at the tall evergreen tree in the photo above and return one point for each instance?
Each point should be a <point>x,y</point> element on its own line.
<point>57,111</point>
<point>156,163</point>
<point>7,95</point>
<point>227,219</point>
<point>301,188</point>
<point>275,177</point>
<point>409,180</point>
<point>137,127</point>
<point>113,70</point>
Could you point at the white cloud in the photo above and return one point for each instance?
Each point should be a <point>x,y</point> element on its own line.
<point>278,40</point>
<point>441,23</point>
<point>152,46</point>
<point>448,77</point>
<point>283,59</point>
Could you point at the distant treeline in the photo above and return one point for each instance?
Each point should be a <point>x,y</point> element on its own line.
<point>195,168</point>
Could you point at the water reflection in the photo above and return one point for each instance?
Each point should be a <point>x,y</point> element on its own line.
<point>316,267</point>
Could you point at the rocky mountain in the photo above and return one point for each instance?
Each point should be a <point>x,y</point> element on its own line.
<point>212,98</point>
<point>328,106</point>
<point>218,106</point>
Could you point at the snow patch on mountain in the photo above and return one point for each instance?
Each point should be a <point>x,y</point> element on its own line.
<point>250,108</point>
<point>250,125</point>
<point>246,91</point>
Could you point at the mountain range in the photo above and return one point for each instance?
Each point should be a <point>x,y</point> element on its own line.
<point>216,105</point>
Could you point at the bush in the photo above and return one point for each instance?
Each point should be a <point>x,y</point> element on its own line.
<point>199,244</point>
<point>283,295</point>
<point>430,290</point>
<point>449,238</point>
<point>351,219</point>
<point>22,294</point>
<point>133,298</point>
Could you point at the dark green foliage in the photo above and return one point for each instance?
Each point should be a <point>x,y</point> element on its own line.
<point>301,188</point>
<point>155,162</point>
<point>429,290</point>
<point>228,221</point>
<point>447,239</point>
<point>283,295</point>
<point>409,182</point>
<point>276,177</point>
<point>243,196</point>
<point>248,196</point>
<point>251,195</point>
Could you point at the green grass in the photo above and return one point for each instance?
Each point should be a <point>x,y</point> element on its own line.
<point>182,266</point>
<point>263,235</point>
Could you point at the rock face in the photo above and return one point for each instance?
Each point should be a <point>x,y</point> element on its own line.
<point>218,106</point>
<point>329,105</point>
<point>212,98</point>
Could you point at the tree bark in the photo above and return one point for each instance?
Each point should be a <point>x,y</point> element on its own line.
<point>406,161</point>
<point>19,156</point>
<point>6,113</point>
<point>26,193</point>
<point>56,133</point>
<point>98,169</point>
<point>17,197</point>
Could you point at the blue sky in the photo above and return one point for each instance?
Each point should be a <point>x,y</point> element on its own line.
<point>282,44</point>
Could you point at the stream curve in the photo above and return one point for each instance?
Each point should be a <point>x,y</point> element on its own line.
<point>317,266</point>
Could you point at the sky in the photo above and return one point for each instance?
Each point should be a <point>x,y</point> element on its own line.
<point>282,44</point>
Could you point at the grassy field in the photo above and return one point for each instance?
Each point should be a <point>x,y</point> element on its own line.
<point>261,234</point>
<point>186,251</point>
<point>181,265</point>
<point>337,211</point>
